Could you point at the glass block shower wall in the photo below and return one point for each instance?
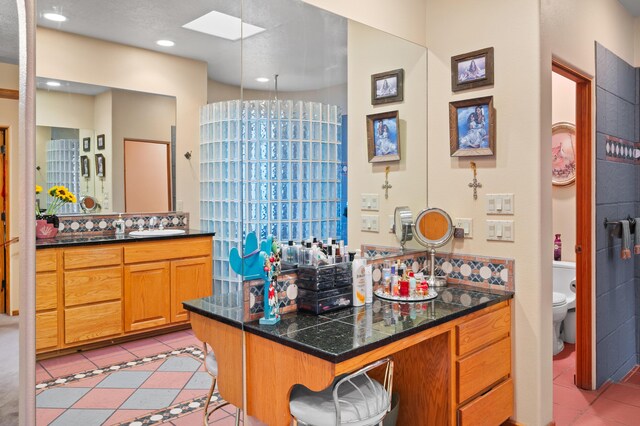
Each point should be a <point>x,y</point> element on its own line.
<point>271,167</point>
<point>63,168</point>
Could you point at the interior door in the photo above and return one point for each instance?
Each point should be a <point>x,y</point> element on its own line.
<point>3,223</point>
<point>147,176</point>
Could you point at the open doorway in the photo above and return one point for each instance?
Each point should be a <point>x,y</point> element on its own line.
<point>573,206</point>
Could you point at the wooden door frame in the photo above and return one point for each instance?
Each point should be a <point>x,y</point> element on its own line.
<point>169,174</point>
<point>584,223</point>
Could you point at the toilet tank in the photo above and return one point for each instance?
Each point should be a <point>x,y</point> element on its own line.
<point>563,274</point>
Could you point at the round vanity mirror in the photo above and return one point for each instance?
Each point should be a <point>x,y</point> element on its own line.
<point>433,229</point>
<point>88,204</point>
<point>403,225</point>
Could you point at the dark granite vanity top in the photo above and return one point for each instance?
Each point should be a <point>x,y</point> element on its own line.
<point>80,240</point>
<point>344,334</point>
<point>217,308</point>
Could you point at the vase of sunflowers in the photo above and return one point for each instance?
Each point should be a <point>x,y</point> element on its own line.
<point>47,223</point>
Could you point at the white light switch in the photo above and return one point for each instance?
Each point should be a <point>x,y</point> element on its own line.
<point>369,223</point>
<point>369,202</point>
<point>500,230</point>
<point>499,204</point>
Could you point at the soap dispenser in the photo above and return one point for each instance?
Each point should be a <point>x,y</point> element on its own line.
<point>119,225</point>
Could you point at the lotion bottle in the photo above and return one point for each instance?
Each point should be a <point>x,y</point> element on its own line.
<point>359,280</point>
<point>119,225</point>
<point>368,275</point>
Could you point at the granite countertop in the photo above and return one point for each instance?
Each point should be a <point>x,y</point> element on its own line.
<point>80,240</point>
<point>217,308</point>
<point>344,334</point>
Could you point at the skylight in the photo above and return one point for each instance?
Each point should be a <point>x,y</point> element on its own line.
<point>222,25</point>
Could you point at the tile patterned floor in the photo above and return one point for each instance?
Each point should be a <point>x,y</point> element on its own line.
<point>157,380</point>
<point>612,405</point>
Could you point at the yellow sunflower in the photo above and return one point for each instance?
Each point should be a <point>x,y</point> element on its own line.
<point>38,189</point>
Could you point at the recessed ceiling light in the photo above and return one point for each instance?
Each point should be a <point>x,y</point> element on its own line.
<point>165,43</point>
<point>53,84</point>
<point>56,17</point>
<point>262,79</point>
<point>222,25</point>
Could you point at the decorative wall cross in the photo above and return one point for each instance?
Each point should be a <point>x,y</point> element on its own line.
<point>475,184</point>
<point>386,185</point>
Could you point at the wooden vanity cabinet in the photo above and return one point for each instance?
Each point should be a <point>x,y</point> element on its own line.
<point>88,294</point>
<point>484,388</point>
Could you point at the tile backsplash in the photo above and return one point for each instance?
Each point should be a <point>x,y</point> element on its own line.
<point>97,224</point>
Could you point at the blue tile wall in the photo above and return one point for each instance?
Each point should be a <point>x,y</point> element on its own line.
<point>617,196</point>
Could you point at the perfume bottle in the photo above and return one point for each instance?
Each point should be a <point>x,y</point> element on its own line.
<point>557,248</point>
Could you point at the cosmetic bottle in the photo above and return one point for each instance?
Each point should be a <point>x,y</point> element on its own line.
<point>368,277</point>
<point>119,225</point>
<point>358,271</point>
<point>557,248</point>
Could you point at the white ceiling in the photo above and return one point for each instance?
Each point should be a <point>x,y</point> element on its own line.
<point>633,6</point>
<point>304,45</point>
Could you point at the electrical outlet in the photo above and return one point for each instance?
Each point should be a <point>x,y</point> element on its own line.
<point>391,223</point>
<point>466,224</point>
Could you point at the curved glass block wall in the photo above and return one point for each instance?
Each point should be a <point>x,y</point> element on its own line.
<point>281,159</point>
<point>63,168</point>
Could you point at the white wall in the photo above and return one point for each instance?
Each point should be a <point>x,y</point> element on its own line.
<point>564,197</point>
<point>513,29</point>
<point>75,58</point>
<point>408,177</point>
<point>9,118</point>
<point>103,125</point>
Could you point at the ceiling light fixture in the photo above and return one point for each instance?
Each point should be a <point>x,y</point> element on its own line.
<point>224,26</point>
<point>55,17</point>
<point>165,43</point>
<point>262,80</point>
<point>53,84</point>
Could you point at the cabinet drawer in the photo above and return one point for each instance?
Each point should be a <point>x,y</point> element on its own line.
<point>483,330</point>
<point>92,285</point>
<point>46,330</point>
<point>91,257</point>
<point>167,249</point>
<point>490,409</point>
<point>479,371</point>
<point>46,290</point>
<point>46,260</point>
<point>93,321</point>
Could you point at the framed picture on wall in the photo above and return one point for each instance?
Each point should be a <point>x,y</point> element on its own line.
<point>472,127</point>
<point>86,144</point>
<point>383,137</point>
<point>85,169</point>
<point>471,70</point>
<point>100,166</point>
<point>563,149</point>
<point>100,143</point>
<point>387,87</point>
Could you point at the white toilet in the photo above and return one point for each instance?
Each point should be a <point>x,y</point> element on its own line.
<point>564,304</point>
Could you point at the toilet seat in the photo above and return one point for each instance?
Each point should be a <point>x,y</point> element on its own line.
<point>559,299</point>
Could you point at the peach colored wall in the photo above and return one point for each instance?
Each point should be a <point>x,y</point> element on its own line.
<point>563,207</point>
<point>146,176</point>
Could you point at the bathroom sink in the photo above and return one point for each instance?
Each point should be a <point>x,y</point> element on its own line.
<point>157,233</point>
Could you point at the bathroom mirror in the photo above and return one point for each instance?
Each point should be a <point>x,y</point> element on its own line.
<point>403,225</point>
<point>133,131</point>
<point>433,229</point>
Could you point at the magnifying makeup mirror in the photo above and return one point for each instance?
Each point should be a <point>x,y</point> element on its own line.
<point>403,225</point>
<point>433,229</point>
<point>88,204</point>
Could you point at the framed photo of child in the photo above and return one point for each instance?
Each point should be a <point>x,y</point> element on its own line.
<point>383,137</point>
<point>387,87</point>
<point>472,127</point>
<point>100,166</point>
<point>100,142</point>
<point>471,70</point>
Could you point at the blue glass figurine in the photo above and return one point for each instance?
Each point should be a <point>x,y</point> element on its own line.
<point>271,272</point>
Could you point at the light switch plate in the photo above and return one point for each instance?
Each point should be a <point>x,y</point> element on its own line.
<point>500,230</point>
<point>466,224</point>
<point>370,223</point>
<point>369,202</point>
<point>500,204</point>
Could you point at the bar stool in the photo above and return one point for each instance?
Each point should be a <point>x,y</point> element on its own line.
<point>211,365</point>
<point>354,400</point>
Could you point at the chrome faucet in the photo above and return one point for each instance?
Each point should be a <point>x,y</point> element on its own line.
<point>152,223</point>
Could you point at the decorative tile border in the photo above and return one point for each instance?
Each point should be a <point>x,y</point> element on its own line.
<point>99,224</point>
<point>622,151</point>
<point>173,412</point>
<point>480,271</point>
